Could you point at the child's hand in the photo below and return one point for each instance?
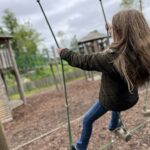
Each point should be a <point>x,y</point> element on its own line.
<point>59,50</point>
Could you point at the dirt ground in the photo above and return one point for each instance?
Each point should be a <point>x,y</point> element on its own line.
<point>46,111</point>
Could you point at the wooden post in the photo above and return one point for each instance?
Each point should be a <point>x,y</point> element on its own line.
<point>93,51</point>
<point>58,70</point>
<point>52,70</point>
<point>3,78</point>
<point>20,87</point>
<point>82,52</point>
<point>3,141</point>
<point>54,77</point>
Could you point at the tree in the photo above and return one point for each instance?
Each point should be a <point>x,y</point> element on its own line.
<point>62,37</point>
<point>1,30</point>
<point>10,24</point>
<point>25,38</point>
<point>74,43</point>
<point>132,3</point>
<point>127,3</point>
<point>10,21</point>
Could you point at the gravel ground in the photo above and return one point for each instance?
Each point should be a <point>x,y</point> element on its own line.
<point>46,111</point>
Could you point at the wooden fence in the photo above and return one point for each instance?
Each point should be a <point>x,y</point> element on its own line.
<point>48,81</point>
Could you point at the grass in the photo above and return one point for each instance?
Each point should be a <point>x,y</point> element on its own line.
<point>39,73</point>
<point>37,90</point>
<point>30,93</point>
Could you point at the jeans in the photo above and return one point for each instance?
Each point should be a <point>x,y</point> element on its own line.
<point>95,112</point>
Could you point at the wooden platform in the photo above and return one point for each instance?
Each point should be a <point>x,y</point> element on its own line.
<point>15,103</point>
<point>5,110</point>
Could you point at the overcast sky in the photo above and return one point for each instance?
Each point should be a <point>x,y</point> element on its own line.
<point>74,17</point>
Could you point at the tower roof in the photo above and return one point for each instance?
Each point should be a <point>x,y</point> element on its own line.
<point>4,36</point>
<point>94,35</point>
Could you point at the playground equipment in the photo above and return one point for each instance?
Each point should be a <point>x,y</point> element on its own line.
<point>121,131</point>
<point>5,111</point>
<point>3,141</point>
<point>8,64</point>
<point>63,76</point>
<point>146,111</point>
<point>91,43</point>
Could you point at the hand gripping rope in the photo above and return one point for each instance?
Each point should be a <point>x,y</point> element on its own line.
<point>63,75</point>
<point>105,20</point>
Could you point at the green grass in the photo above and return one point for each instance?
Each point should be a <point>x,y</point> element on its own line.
<point>30,93</point>
<point>37,90</point>
<point>39,73</point>
<point>46,72</point>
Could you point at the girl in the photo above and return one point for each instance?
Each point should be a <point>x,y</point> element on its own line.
<point>125,66</point>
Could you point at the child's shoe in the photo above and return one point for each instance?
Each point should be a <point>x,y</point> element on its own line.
<point>73,147</point>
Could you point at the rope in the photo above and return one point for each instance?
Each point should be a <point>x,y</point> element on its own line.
<point>104,19</point>
<point>47,133</point>
<point>63,74</point>
<point>146,98</point>
<point>111,142</point>
<point>121,121</point>
<point>141,7</point>
<point>139,126</point>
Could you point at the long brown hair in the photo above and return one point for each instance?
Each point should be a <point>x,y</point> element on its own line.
<point>132,41</point>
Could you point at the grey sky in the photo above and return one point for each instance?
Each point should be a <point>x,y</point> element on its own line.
<point>71,16</point>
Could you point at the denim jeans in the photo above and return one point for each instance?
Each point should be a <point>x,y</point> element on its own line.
<point>95,112</point>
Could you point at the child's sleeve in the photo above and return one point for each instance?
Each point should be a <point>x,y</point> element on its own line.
<point>92,62</point>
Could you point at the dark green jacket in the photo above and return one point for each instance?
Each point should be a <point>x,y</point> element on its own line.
<point>114,93</point>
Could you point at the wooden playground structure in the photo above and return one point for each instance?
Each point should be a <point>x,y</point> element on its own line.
<point>8,64</point>
<point>5,114</point>
<point>93,42</point>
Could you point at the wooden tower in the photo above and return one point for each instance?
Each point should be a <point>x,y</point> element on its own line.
<point>91,43</point>
<point>5,110</point>
<point>8,64</point>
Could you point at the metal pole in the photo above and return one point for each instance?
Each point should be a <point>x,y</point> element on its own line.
<point>141,6</point>
<point>104,19</point>
<point>63,75</point>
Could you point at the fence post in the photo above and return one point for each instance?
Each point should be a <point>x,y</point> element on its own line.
<point>3,141</point>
